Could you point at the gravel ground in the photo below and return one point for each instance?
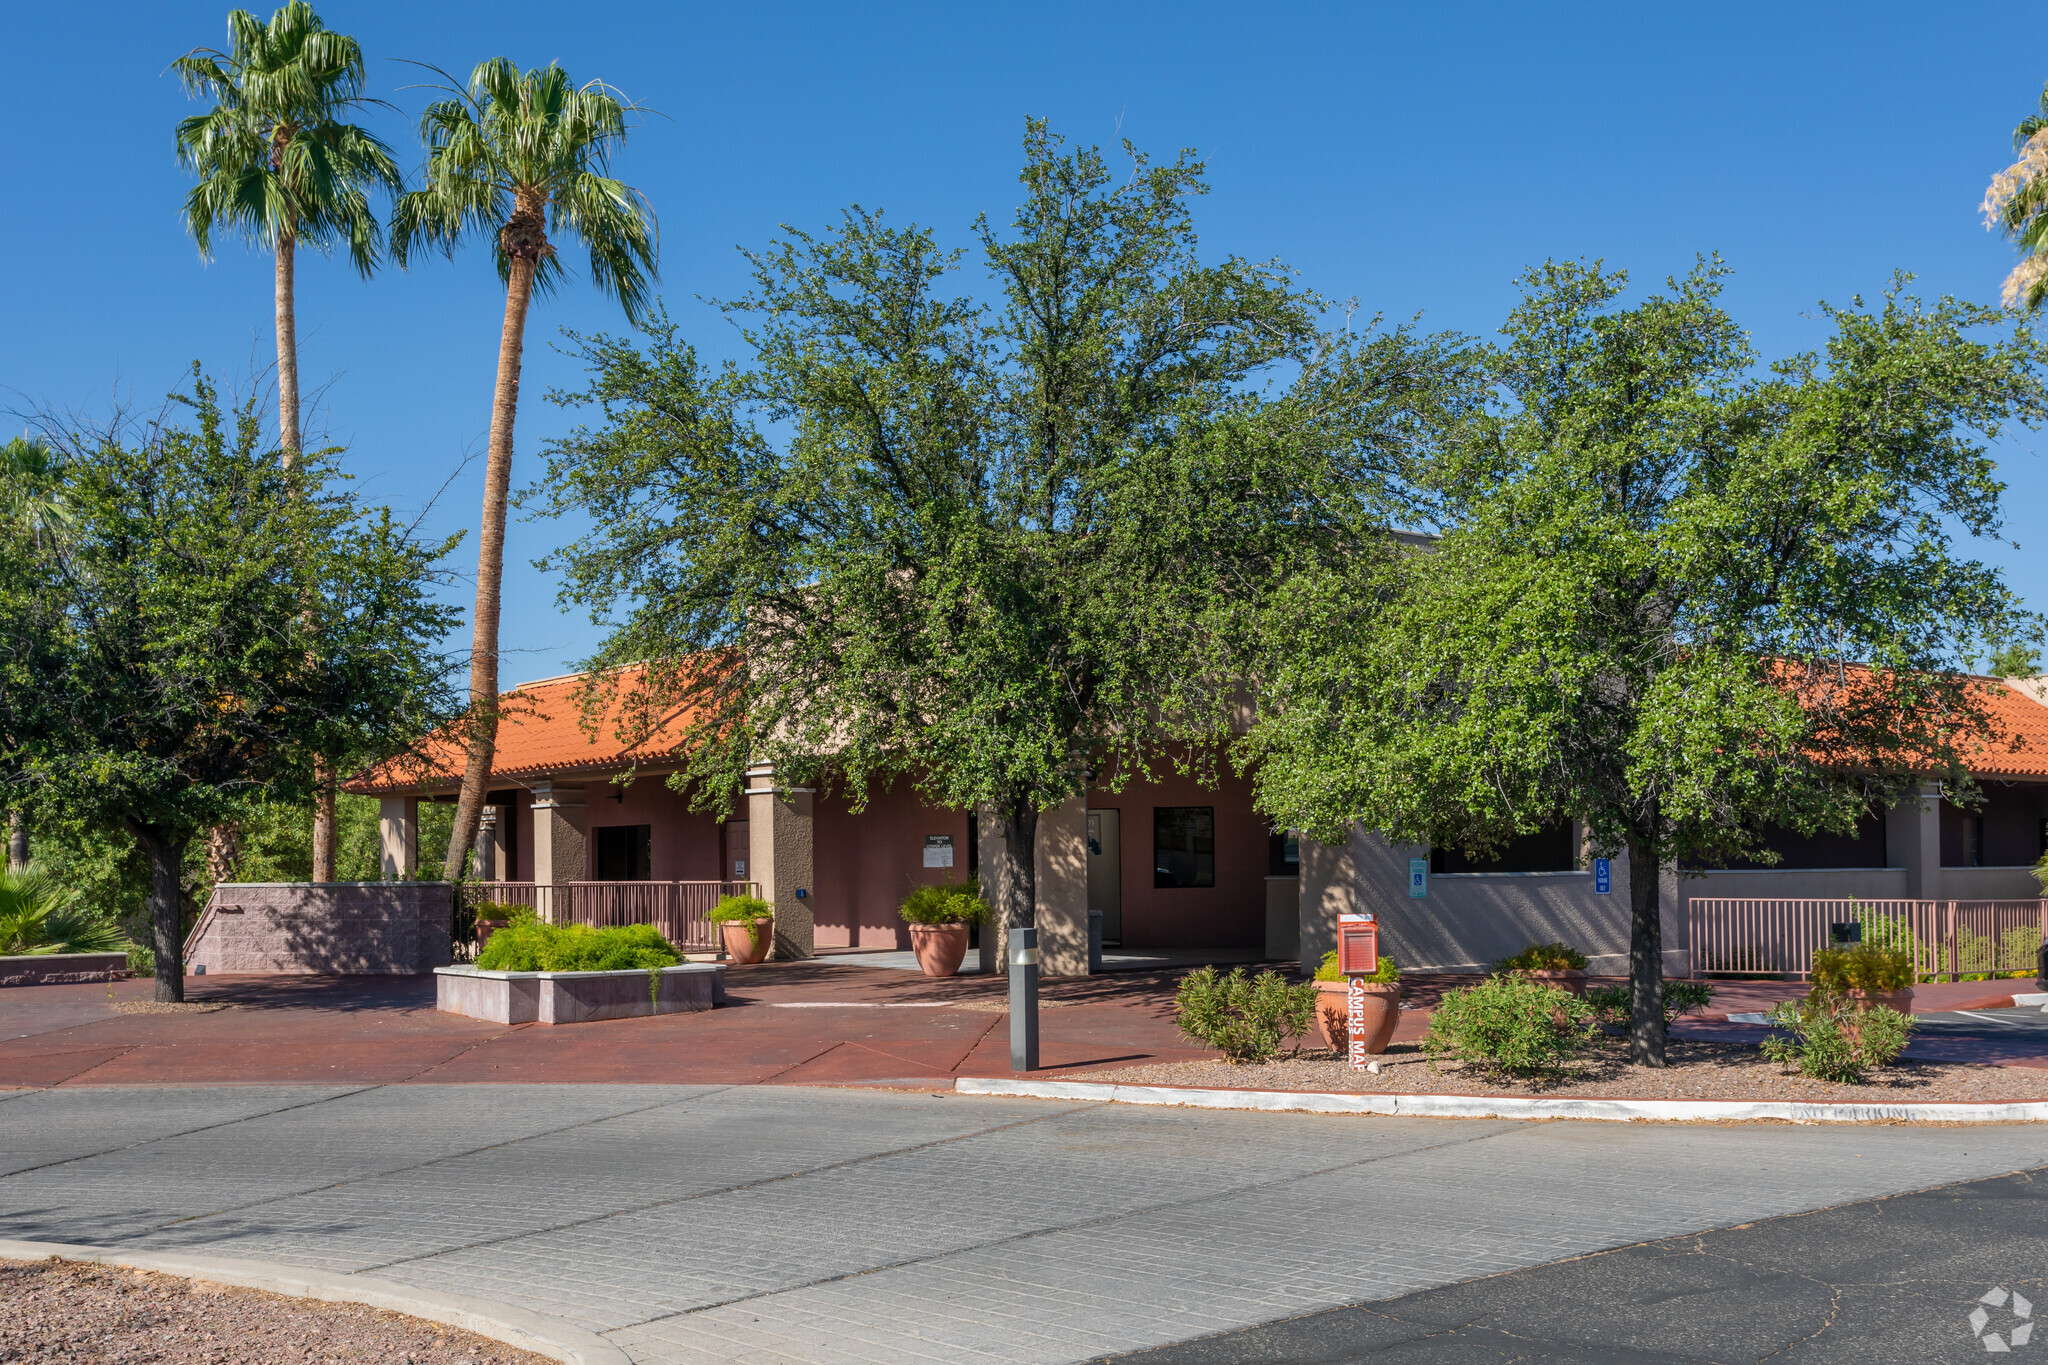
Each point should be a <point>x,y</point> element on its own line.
<point>1698,1070</point>
<point>171,1007</point>
<point>70,1311</point>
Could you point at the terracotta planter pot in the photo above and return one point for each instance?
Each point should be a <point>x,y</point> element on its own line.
<point>485,928</point>
<point>1382,1014</point>
<point>1571,979</point>
<point>747,941</point>
<point>939,947</point>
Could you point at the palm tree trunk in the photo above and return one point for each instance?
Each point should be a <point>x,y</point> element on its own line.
<point>490,573</point>
<point>17,840</point>
<point>291,441</point>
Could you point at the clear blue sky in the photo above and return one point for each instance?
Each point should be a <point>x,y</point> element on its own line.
<point>1414,156</point>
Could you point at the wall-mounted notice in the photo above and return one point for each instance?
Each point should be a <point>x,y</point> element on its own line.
<point>938,850</point>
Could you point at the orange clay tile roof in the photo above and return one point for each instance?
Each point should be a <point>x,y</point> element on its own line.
<point>540,731</point>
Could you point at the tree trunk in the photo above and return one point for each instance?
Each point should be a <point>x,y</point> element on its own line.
<point>324,831</point>
<point>166,906</point>
<point>1645,959</point>
<point>17,840</point>
<point>1020,876</point>
<point>223,851</point>
<point>490,572</point>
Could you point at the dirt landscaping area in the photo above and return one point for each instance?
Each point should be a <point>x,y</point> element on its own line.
<point>1699,1069</point>
<point>75,1312</point>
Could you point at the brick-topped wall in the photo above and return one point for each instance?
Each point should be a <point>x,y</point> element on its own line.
<point>323,928</point>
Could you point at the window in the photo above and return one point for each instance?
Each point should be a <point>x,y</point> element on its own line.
<point>624,853</point>
<point>1283,854</point>
<point>1547,850</point>
<point>1183,846</point>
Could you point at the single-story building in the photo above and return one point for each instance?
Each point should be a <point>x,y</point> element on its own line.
<point>1168,864</point>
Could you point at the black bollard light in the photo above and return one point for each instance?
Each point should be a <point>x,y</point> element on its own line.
<point>1023,999</point>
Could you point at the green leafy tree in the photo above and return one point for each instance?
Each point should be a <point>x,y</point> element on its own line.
<point>279,166</point>
<point>1675,598</point>
<point>2016,204</point>
<point>515,158</point>
<point>212,621</point>
<point>992,548</point>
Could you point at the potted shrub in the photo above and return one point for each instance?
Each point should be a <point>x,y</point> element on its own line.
<point>1382,1004</point>
<point>492,916</point>
<point>938,917</point>
<point>1552,964</point>
<point>747,924</point>
<point>1866,976</point>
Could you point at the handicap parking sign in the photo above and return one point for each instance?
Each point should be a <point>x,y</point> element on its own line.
<point>1418,878</point>
<point>1603,876</point>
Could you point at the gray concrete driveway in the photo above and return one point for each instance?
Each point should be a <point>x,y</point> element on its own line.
<point>778,1224</point>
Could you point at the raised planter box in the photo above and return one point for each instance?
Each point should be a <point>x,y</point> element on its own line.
<point>576,997</point>
<point>52,969</point>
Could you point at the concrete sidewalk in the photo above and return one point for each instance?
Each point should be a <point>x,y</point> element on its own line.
<point>695,1224</point>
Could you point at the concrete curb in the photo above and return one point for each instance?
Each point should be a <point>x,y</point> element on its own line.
<point>1513,1106</point>
<point>529,1331</point>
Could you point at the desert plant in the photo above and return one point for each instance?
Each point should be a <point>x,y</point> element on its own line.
<point>1861,967</point>
<point>1509,1024</point>
<point>1387,973</point>
<point>1244,1018</point>
<point>947,903</point>
<point>1543,957</point>
<point>37,915</point>
<point>1611,1004</point>
<point>1833,1041</point>
<point>532,946</point>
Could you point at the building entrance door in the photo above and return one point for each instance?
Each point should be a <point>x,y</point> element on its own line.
<point>1106,873</point>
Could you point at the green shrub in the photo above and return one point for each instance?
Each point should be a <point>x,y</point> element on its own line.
<point>1387,974</point>
<point>39,915</point>
<point>1613,1005</point>
<point>1543,957</point>
<point>141,961</point>
<point>1244,1018</point>
<point>740,908</point>
<point>1861,967</point>
<point>1509,1024</point>
<point>532,946</point>
<point>947,903</point>
<point>504,910</point>
<point>1832,1041</point>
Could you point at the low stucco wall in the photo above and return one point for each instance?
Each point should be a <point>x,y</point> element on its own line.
<point>324,928</point>
<point>51,969</point>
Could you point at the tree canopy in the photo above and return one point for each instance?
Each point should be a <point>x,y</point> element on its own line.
<point>993,546</point>
<point>208,622</point>
<point>1677,596</point>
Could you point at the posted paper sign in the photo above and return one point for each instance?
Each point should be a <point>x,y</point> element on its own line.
<point>938,850</point>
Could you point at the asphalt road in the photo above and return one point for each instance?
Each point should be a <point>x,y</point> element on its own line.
<point>1948,1274</point>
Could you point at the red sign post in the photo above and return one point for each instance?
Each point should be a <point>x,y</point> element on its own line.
<point>1358,956</point>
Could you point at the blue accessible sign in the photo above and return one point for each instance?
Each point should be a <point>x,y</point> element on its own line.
<point>1603,876</point>
<point>1418,878</point>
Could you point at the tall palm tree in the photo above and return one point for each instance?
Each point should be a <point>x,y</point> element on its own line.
<point>514,157</point>
<point>32,506</point>
<point>2017,205</point>
<point>278,167</point>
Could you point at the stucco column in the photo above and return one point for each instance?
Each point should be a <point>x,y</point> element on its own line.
<point>1912,838</point>
<point>398,836</point>
<point>1329,888</point>
<point>989,838</point>
<point>781,840</point>
<point>561,840</point>
<point>487,845</point>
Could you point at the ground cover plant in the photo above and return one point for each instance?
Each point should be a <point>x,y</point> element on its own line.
<point>1611,1003</point>
<point>1832,1040</point>
<point>532,945</point>
<point>947,903</point>
<point>1510,1025</point>
<point>1387,972</point>
<point>1543,957</point>
<point>1246,1018</point>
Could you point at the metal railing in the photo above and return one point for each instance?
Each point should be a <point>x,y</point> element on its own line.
<point>1946,938</point>
<point>678,909</point>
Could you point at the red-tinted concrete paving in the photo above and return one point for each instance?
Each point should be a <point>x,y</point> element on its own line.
<point>798,1023</point>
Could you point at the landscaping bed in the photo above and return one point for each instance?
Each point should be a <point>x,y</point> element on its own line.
<point>72,1311</point>
<point>1699,1069</point>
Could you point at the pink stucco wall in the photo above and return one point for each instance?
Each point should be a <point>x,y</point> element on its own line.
<point>865,864</point>
<point>685,843</point>
<point>1230,914</point>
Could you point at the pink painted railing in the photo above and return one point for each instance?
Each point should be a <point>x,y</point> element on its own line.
<point>1946,938</point>
<point>678,909</point>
